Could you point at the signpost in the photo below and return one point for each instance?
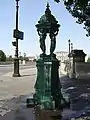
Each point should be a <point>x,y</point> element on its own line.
<point>14,43</point>
<point>18,34</point>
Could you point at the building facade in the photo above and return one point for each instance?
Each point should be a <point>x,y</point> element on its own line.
<point>62,56</point>
<point>31,58</point>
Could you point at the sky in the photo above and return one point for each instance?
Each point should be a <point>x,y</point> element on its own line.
<point>30,12</point>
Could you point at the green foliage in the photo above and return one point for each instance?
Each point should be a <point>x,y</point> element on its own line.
<point>21,58</point>
<point>57,1</point>
<point>88,60</point>
<point>2,56</point>
<point>26,58</point>
<point>79,9</point>
<point>9,58</point>
<point>34,60</point>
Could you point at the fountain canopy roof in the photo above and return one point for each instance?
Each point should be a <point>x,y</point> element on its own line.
<point>48,20</point>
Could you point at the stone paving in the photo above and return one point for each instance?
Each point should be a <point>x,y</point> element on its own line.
<point>12,88</point>
<point>13,94</point>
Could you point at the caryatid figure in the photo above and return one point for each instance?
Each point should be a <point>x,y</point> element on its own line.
<point>47,25</point>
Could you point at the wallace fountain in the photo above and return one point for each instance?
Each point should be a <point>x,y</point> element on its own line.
<point>47,97</point>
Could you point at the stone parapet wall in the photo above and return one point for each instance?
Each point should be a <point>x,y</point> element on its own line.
<point>82,67</point>
<point>82,70</point>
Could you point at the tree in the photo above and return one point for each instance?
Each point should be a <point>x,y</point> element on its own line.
<point>88,60</point>
<point>57,1</point>
<point>79,9</point>
<point>24,55</point>
<point>26,59</point>
<point>2,56</point>
<point>21,58</point>
<point>9,58</point>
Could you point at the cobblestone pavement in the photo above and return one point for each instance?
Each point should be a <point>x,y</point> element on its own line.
<point>79,94</point>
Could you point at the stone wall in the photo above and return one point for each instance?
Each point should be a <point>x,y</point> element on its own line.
<point>82,70</point>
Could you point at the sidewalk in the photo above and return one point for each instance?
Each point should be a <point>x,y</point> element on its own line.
<point>13,94</point>
<point>16,86</point>
<point>12,88</point>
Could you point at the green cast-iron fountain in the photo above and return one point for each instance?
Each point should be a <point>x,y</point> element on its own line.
<point>47,87</point>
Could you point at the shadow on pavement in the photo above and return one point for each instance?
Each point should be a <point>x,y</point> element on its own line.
<point>17,109</point>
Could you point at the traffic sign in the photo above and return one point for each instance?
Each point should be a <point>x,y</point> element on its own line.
<point>18,34</point>
<point>14,43</point>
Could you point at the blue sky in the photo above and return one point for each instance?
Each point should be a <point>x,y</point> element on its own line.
<point>30,12</point>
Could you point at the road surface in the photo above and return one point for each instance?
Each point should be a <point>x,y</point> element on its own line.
<point>9,68</point>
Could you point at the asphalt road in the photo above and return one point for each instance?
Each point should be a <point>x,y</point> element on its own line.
<point>9,68</point>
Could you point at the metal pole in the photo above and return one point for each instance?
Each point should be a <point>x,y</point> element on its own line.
<point>16,59</point>
<point>17,7</point>
<point>69,67</point>
<point>69,45</point>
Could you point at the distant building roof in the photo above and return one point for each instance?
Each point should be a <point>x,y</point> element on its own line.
<point>61,52</point>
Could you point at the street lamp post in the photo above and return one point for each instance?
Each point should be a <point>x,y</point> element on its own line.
<point>69,67</point>
<point>69,45</point>
<point>16,59</point>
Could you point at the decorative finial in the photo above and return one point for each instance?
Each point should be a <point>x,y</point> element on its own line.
<point>48,5</point>
<point>47,9</point>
